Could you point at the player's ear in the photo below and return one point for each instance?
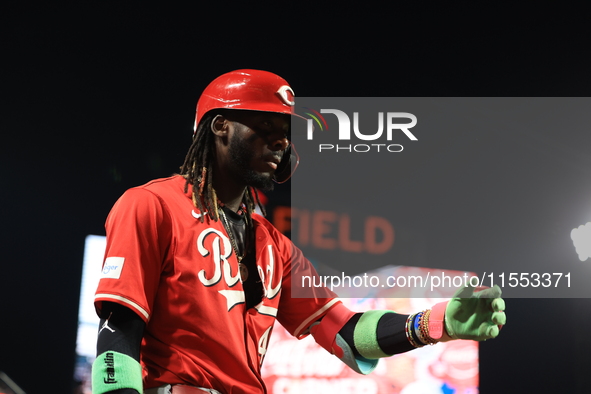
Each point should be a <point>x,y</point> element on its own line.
<point>219,125</point>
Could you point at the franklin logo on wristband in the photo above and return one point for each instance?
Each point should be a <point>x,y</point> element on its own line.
<point>110,363</point>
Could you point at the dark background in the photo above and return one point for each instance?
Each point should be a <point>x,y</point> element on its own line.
<point>99,96</point>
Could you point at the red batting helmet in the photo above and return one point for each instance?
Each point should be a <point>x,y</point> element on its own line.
<point>253,90</point>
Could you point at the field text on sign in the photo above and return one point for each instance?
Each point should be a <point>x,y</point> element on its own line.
<point>331,230</point>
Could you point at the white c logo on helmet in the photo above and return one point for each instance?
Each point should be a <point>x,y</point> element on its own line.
<point>282,92</point>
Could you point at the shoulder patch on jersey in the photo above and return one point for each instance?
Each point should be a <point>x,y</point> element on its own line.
<point>112,267</point>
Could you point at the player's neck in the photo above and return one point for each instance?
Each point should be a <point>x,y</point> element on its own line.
<point>230,194</point>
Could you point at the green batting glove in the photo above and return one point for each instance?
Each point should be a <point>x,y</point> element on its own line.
<point>477,316</point>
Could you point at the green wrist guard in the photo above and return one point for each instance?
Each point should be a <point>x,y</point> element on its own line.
<point>365,335</point>
<point>113,371</point>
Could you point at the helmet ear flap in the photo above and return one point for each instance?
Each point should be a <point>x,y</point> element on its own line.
<point>287,166</point>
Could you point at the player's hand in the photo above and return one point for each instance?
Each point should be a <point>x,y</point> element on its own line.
<point>477,316</point>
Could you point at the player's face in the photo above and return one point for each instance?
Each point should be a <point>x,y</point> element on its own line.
<point>256,147</point>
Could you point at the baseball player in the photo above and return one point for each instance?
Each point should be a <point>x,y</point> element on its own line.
<point>193,280</point>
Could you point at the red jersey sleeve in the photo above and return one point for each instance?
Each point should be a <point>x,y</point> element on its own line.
<point>300,306</point>
<point>138,236</point>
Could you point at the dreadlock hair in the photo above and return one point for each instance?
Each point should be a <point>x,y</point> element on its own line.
<point>197,170</point>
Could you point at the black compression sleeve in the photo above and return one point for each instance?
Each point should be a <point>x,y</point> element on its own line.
<point>390,333</point>
<point>120,330</point>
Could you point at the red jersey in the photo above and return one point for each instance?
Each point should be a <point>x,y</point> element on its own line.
<point>182,277</point>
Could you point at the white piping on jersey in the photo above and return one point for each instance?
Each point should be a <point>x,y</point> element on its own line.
<point>126,301</point>
<point>310,319</point>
